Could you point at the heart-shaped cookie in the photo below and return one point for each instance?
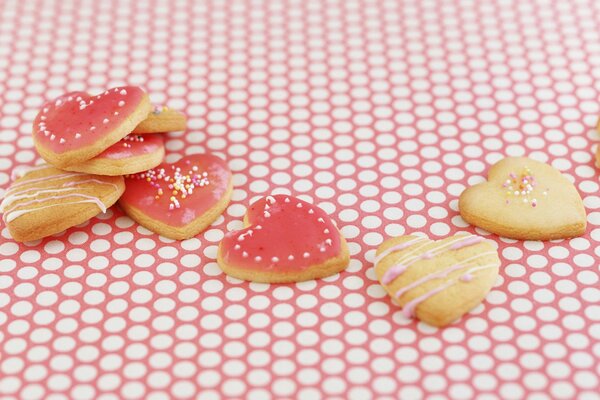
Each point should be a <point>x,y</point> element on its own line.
<point>286,240</point>
<point>162,119</point>
<point>46,200</point>
<point>130,155</point>
<point>437,281</point>
<point>76,126</point>
<point>525,199</point>
<point>181,199</point>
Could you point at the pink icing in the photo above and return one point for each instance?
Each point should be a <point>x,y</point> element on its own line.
<point>142,190</point>
<point>398,269</point>
<point>285,234</point>
<point>471,240</point>
<point>398,247</point>
<point>133,146</point>
<point>76,120</point>
<point>18,192</point>
<point>409,308</point>
<point>440,274</point>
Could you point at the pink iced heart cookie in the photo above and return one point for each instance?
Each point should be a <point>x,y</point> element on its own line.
<point>77,127</point>
<point>179,200</point>
<point>286,240</point>
<point>130,155</point>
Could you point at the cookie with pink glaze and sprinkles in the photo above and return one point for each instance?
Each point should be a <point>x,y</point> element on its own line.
<point>525,199</point>
<point>132,154</point>
<point>76,127</point>
<point>181,199</point>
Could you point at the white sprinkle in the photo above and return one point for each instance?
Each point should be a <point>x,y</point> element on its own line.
<point>77,135</point>
<point>305,255</point>
<point>299,205</point>
<point>271,199</point>
<point>46,133</point>
<point>267,206</point>
<point>267,214</point>
<point>244,254</point>
<point>237,247</point>
<point>326,231</point>
<point>43,117</point>
<point>82,107</point>
<point>322,249</point>
<point>62,140</point>
<point>52,137</point>
<point>70,98</point>
<point>105,121</point>
<point>311,211</point>
<point>92,128</point>
<point>78,98</point>
<point>329,242</point>
<point>275,259</point>
<point>116,113</point>
<point>257,227</point>
<point>287,200</point>
<point>121,103</point>
<point>257,258</point>
<point>321,220</point>
<point>291,257</point>
<point>45,110</point>
<point>123,92</point>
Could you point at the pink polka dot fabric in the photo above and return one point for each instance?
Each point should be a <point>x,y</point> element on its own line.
<point>381,112</point>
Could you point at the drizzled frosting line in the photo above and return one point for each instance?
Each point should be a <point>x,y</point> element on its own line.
<point>402,264</point>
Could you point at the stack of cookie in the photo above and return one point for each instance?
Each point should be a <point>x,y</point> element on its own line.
<point>98,148</point>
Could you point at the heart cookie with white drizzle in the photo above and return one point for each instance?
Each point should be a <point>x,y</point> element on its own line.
<point>525,199</point>
<point>285,240</point>
<point>46,200</point>
<point>437,281</point>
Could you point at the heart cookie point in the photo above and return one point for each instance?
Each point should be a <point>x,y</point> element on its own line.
<point>525,199</point>
<point>181,199</point>
<point>76,126</point>
<point>46,200</point>
<point>286,240</point>
<point>437,281</point>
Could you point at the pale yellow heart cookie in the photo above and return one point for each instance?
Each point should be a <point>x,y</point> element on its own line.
<point>437,281</point>
<point>525,199</point>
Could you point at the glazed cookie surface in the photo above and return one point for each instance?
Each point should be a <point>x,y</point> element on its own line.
<point>181,199</point>
<point>162,119</point>
<point>437,281</point>
<point>77,127</point>
<point>285,240</point>
<point>130,155</point>
<point>525,199</point>
<point>46,200</point>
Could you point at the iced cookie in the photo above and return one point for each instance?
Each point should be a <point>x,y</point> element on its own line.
<point>285,240</point>
<point>132,154</point>
<point>76,126</point>
<point>162,119</point>
<point>437,281</point>
<point>179,200</point>
<point>525,199</point>
<point>46,200</point>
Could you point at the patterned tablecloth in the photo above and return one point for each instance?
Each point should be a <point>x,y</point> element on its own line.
<point>381,112</point>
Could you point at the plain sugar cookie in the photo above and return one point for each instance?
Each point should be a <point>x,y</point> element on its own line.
<point>285,240</point>
<point>130,155</point>
<point>76,126</point>
<point>525,199</point>
<point>437,281</point>
<point>46,200</point>
<point>162,119</point>
<point>181,199</point>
